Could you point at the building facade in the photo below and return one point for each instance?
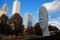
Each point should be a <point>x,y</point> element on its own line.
<point>16,7</point>
<point>4,10</point>
<point>16,20</point>
<point>29,20</point>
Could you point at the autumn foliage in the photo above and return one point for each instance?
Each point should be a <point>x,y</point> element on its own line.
<point>16,22</point>
<point>53,28</point>
<point>29,30</point>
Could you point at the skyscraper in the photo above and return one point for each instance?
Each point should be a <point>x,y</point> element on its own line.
<point>33,21</point>
<point>29,20</point>
<point>4,10</point>
<point>16,19</point>
<point>16,7</point>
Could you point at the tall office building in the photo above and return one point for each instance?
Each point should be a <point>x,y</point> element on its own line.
<point>16,19</point>
<point>4,10</point>
<point>33,21</point>
<point>16,7</point>
<point>29,20</point>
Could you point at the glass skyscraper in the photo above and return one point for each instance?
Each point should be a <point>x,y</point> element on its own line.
<point>29,20</point>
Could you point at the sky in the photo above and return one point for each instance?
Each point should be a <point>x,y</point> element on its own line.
<point>32,7</point>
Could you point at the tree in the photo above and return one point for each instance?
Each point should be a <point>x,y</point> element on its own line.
<point>37,29</point>
<point>29,30</point>
<point>53,28</point>
<point>4,27</point>
<point>4,19</point>
<point>7,29</point>
<point>16,19</point>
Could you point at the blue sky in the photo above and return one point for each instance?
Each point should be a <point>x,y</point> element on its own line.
<point>32,7</point>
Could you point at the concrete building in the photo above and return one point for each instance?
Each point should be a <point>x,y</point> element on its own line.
<point>4,10</point>
<point>33,21</point>
<point>16,19</point>
<point>16,7</point>
<point>29,20</point>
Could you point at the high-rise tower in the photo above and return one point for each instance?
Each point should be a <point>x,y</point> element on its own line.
<point>29,20</point>
<point>16,19</point>
<point>16,7</point>
<point>4,10</point>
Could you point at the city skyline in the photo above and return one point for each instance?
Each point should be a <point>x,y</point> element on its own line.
<point>33,6</point>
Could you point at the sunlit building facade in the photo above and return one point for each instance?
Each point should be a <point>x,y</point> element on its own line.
<point>16,7</point>
<point>4,10</point>
<point>29,20</point>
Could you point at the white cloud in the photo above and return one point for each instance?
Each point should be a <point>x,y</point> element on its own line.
<point>52,6</point>
<point>54,23</point>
